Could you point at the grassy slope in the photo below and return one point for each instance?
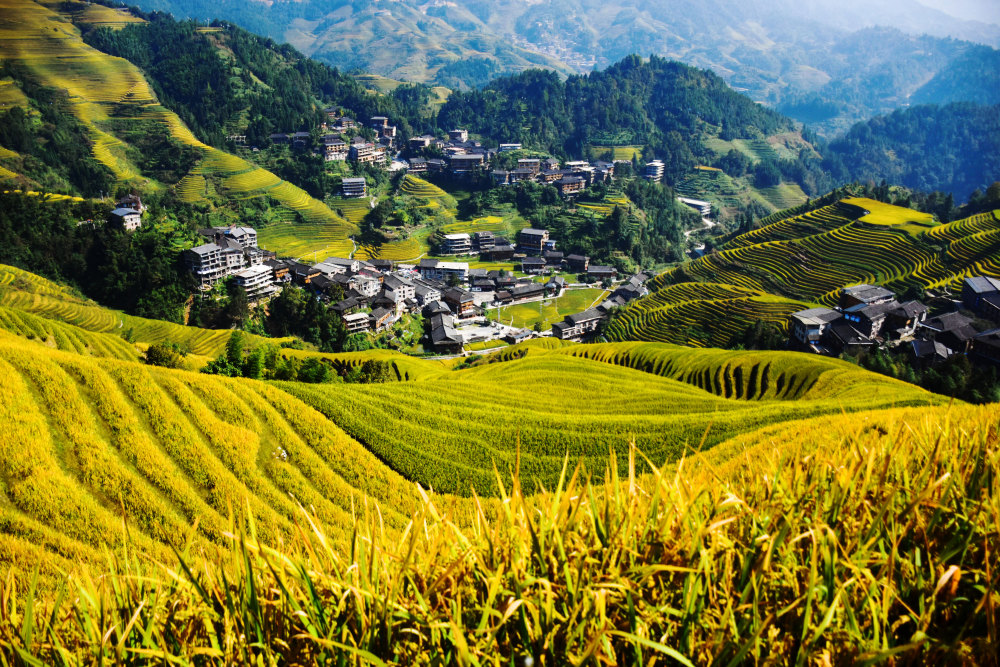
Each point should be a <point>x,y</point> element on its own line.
<point>784,266</point>
<point>178,446</point>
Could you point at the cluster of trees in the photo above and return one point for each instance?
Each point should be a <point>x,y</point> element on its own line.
<point>136,272</point>
<point>659,103</point>
<point>956,377</point>
<point>214,80</point>
<point>265,362</point>
<point>953,148</point>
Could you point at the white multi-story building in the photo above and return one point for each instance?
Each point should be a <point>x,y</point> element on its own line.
<point>654,171</point>
<point>256,281</point>
<point>207,263</point>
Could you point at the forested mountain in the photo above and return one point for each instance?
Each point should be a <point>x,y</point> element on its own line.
<point>664,105</point>
<point>954,148</point>
<point>229,81</point>
<point>823,59</point>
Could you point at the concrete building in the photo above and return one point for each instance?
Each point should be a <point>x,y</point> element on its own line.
<point>256,281</point>
<point>654,171</point>
<point>354,187</point>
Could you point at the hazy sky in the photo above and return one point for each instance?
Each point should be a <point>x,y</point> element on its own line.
<point>987,11</point>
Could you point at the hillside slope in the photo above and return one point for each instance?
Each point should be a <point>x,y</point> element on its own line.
<point>784,266</point>
<point>164,448</point>
<point>116,104</point>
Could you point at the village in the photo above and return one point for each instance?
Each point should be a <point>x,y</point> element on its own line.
<point>453,299</point>
<point>870,316</point>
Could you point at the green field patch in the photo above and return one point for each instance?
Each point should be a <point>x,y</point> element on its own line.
<point>548,311</point>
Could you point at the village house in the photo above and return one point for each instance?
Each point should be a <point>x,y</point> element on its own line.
<point>279,271</point>
<point>256,281</point>
<point>981,295</point>
<point>207,264</point>
<point>462,303</point>
<point>953,330</point>
<point>703,207</point>
<point>303,274</point>
<point>532,241</point>
<point>434,269</point>
<point>575,327</point>
<point>532,265</point>
<point>458,135</point>
<point>381,319</point>
<point>426,291</point>
<point>505,148</point>
<point>553,258</point>
<point>525,291</point>
<point>456,244</point>
<point>365,152</point>
<point>128,218</point>
<point>599,272</point>
<point>502,251</point>
<point>531,165</point>
<point>577,263</point>
<point>555,286</point>
<point>483,241</point>
<point>357,322</point>
<point>568,185</point>
<point>354,187</point>
<point>467,162</point>
<point>654,171</point>
<point>417,165</point>
<point>444,337</point>
<point>986,347</point>
<point>865,295</point>
<point>809,326</point>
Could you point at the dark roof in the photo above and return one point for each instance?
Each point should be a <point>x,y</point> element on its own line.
<point>530,231</point>
<point>948,322</point>
<point>910,309</point>
<point>868,292</point>
<point>380,313</point>
<point>585,316</point>
<point>533,260</point>
<point>982,284</point>
<point>597,268</point>
<point>526,290</point>
<point>848,335</point>
<point>928,348</point>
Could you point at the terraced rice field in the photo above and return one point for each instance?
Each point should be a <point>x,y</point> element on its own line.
<point>494,408</point>
<point>397,251</point>
<point>304,240</point>
<point>784,196</point>
<point>418,187</point>
<point>619,152</point>
<point>48,44</point>
<point>24,292</point>
<point>805,259</point>
<point>354,209</point>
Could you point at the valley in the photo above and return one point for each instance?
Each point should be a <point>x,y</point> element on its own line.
<point>304,364</point>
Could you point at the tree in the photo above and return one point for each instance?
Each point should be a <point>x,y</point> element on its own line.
<point>163,354</point>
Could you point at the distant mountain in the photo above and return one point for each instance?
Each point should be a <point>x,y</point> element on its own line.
<point>972,77</point>
<point>805,57</point>
<point>954,148</point>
